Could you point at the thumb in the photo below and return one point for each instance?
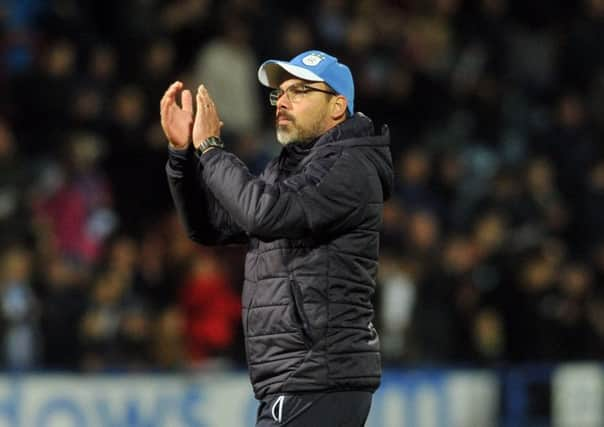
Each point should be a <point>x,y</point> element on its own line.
<point>187,101</point>
<point>221,123</point>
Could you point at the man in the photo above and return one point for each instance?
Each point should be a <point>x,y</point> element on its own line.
<point>311,221</point>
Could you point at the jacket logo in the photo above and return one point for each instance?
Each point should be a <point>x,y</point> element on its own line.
<point>277,410</point>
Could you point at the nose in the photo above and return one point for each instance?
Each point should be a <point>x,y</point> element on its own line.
<point>282,102</point>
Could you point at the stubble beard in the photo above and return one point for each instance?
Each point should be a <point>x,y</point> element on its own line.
<point>291,132</point>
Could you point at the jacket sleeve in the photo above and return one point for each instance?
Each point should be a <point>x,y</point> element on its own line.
<point>330,195</point>
<point>204,219</point>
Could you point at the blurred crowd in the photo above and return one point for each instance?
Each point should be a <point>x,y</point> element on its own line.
<point>492,246</point>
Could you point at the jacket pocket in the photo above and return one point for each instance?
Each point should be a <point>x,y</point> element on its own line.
<point>300,313</point>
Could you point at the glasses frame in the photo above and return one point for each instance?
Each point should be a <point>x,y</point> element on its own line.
<point>302,88</point>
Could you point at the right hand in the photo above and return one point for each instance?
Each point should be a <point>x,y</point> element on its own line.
<point>177,122</point>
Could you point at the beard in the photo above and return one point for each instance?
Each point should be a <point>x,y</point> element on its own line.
<point>287,134</point>
<point>293,132</point>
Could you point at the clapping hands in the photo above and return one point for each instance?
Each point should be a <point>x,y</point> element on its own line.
<point>178,122</point>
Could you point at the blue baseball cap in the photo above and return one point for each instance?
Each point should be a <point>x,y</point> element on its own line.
<point>315,66</point>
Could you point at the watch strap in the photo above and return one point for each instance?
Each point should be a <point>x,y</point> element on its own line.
<point>209,142</point>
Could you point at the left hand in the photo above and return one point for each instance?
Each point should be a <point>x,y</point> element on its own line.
<point>207,123</point>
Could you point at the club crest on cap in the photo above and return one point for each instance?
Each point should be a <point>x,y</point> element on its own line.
<point>312,59</point>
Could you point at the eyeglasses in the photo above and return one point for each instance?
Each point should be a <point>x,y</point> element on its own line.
<point>295,93</point>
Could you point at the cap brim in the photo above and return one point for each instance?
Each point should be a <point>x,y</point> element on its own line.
<point>270,71</point>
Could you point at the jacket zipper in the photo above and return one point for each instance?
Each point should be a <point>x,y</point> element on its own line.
<point>300,313</point>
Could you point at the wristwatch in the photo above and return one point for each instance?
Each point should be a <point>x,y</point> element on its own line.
<point>209,142</point>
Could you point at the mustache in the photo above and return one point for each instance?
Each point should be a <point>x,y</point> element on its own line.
<point>284,115</point>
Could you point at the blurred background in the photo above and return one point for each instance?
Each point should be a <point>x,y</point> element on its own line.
<point>492,246</point>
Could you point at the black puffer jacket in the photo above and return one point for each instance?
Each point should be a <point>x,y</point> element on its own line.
<point>311,221</point>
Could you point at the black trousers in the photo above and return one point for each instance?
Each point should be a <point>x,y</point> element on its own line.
<point>336,409</point>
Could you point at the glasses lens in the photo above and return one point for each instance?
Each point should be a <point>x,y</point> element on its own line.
<point>274,96</point>
<point>296,92</point>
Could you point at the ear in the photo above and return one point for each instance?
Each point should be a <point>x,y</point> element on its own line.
<point>338,107</point>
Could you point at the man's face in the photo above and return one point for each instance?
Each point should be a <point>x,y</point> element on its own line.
<point>301,114</point>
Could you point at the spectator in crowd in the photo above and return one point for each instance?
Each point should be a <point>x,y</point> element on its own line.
<point>77,214</point>
<point>63,289</point>
<point>114,327</point>
<point>19,310</point>
<point>235,92</point>
<point>15,180</point>
<point>211,310</point>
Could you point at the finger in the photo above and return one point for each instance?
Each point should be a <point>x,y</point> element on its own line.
<point>203,94</point>
<point>164,105</point>
<point>200,107</point>
<point>203,104</point>
<point>170,94</point>
<point>187,101</point>
<point>199,100</point>
<point>173,89</point>
<point>164,101</point>
<point>207,96</point>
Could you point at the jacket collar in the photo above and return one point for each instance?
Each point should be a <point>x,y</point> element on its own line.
<point>357,126</point>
